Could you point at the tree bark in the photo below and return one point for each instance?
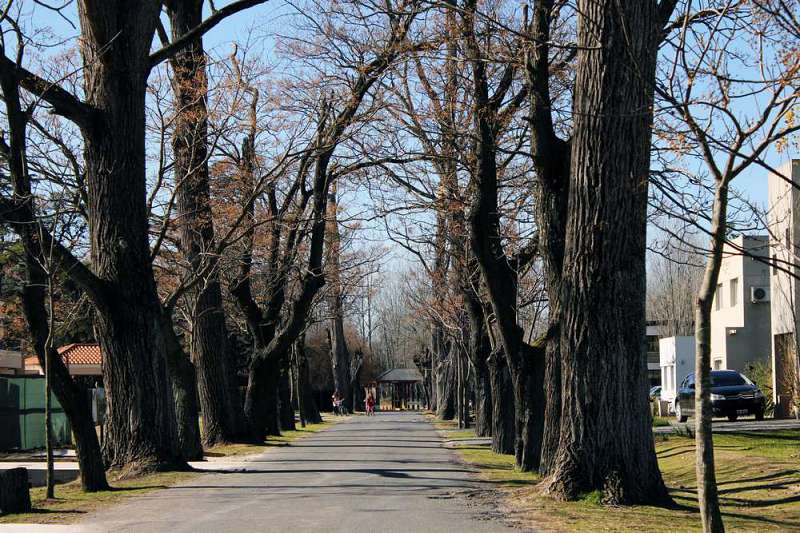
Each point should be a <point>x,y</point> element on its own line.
<point>308,405</point>
<point>480,347</point>
<point>606,440</point>
<point>550,157</point>
<point>140,425</point>
<point>483,400</point>
<point>503,411</point>
<point>195,221</point>
<point>525,362</point>
<point>184,392</point>
<point>356,364</point>
<point>707,494</point>
<point>340,354</point>
<point>285,398</point>
<point>446,403</point>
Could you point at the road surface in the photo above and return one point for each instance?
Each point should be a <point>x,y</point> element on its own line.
<point>387,473</point>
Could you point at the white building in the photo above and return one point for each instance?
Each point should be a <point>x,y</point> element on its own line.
<point>784,228</point>
<point>10,362</point>
<point>676,359</point>
<point>740,315</point>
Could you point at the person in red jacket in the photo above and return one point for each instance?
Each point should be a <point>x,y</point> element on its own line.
<point>370,401</point>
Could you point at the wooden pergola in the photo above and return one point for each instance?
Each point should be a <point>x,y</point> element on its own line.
<point>400,389</point>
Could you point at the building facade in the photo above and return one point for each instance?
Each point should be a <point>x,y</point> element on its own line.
<point>783,219</point>
<point>740,314</point>
<point>654,333</point>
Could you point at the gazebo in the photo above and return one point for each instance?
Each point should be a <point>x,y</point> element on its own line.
<point>400,388</point>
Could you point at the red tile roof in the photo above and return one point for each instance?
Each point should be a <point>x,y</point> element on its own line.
<point>82,353</point>
<point>85,353</point>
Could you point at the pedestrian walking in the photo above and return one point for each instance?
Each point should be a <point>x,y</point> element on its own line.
<point>338,402</point>
<point>370,401</point>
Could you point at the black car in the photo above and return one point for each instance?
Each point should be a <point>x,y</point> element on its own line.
<point>732,395</point>
<point>655,393</point>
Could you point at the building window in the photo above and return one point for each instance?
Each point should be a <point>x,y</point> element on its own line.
<point>718,297</point>
<point>788,239</point>
<point>734,292</point>
<point>774,265</point>
<point>652,343</point>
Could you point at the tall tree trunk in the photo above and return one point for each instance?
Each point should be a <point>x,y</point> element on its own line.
<point>308,405</point>
<point>195,221</point>
<point>184,392</point>
<point>285,397</point>
<point>340,354</point>
<point>525,362</point>
<point>606,440</point>
<point>234,391</point>
<point>551,160</point>
<point>707,494</point>
<point>141,429</point>
<point>262,402</point>
<point>340,361</point>
<point>356,364</point>
<point>503,411</point>
<point>528,381</point>
<point>483,400</point>
<point>480,347</point>
<point>446,373</point>
<point>73,398</point>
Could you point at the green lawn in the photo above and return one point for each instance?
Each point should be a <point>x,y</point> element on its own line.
<point>758,479</point>
<point>660,421</point>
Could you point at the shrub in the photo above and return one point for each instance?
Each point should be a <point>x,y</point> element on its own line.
<point>761,374</point>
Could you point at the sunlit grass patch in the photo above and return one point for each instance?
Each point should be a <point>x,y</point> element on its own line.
<point>758,478</point>
<point>660,421</point>
<point>495,467</point>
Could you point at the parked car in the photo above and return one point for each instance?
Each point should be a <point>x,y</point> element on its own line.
<point>655,393</point>
<point>732,395</point>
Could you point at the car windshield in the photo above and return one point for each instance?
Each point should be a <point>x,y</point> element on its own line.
<point>727,379</point>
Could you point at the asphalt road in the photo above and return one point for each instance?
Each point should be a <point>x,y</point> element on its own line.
<point>388,473</point>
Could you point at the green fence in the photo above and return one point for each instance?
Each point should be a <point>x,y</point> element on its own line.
<point>22,415</point>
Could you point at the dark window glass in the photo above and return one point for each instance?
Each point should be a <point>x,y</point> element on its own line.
<point>652,343</point>
<point>726,379</point>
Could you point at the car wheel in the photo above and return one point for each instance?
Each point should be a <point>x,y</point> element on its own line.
<point>759,415</point>
<point>679,414</point>
<point>732,417</point>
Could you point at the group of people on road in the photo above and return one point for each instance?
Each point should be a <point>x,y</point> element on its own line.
<point>340,409</point>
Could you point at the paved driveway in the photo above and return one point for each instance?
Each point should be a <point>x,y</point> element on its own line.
<point>387,473</point>
<point>721,425</point>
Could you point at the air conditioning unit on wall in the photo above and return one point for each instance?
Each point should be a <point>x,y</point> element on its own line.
<point>759,294</point>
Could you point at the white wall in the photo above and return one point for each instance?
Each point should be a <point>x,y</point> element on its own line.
<point>783,218</point>
<point>677,361</point>
<point>783,213</point>
<point>740,329</point>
